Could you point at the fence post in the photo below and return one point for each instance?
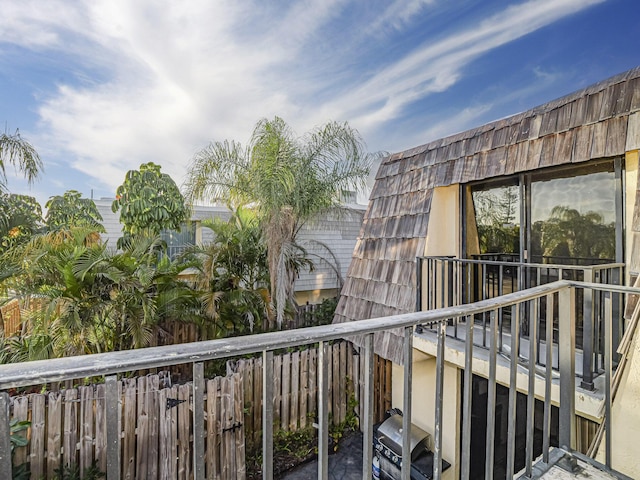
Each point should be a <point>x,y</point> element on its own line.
<point>367,420</point>
<point>112,406</point>
<point>198,421</point>
<point>567,364</point>
<point>5,436</point>
<point>267,414</point>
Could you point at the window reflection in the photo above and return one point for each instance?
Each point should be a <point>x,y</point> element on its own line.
<point>497,219</point>
<point>573,219</point>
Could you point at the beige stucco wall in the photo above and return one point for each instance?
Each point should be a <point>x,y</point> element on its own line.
<point>423,404</point>
<point>631,186</point>
<point>625,413</point>
<point>443,236</point>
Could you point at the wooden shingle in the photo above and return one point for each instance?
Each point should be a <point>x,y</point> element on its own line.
<point>600,121</point>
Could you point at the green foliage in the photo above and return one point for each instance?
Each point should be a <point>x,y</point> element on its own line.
<point>496,217</point>
<point>71,210</point>
<point>569,234</point>
<point>233,277</point>
<point>20,218</point>
<point>323,313</point>
<point>17,439</point>
<point>18,152</point>
<point>287,179</point>
<point>91,299</point>
<point>72,472</point>
<point>149,201</point>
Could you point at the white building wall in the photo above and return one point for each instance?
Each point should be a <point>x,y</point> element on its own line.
<point>337,230</point>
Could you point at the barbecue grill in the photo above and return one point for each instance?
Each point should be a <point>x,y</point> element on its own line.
<point>387,446</point>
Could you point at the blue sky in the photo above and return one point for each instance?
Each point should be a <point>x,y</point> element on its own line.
<point>101,86</point>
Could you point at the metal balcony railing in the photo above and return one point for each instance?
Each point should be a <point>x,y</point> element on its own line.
<point>561,294</point>
<point>452,281</point>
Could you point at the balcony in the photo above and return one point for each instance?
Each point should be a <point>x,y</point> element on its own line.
<point>448,281</point>
<point>557,298</point>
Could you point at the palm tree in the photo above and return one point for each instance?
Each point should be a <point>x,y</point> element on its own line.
<point>233,277</point>
<point>18,152</point>
<point>92,299</point>
<point>287,179</point>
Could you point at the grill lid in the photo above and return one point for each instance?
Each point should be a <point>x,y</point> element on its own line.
<point>390,435</point>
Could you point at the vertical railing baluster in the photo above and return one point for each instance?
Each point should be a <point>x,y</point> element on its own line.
<point>491,397</point>
<point>531,393</point>
<point>323,412</point>
<point>466,402</point>
<point>198,421</point>
<point>437,454</point>
<point>567,364</point>
<point>443,284</point>
<point>267,414</point>
<point>5,436</point>
<point>500,293</point>
<point>513,392</point>
<point>406,404</point>
<point>546,427</point>
<point>112,406</point>
<point>484,297</point>
<point>367,420</point>
<point>419,263</point>
<point>608,352</point>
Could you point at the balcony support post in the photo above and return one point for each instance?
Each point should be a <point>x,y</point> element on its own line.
<point>323,412</point>
<point>531,390</point>
<point>588,318</point>
<point>112,406</point>
<point>5,436</point>
<point>267,414</point>
<point>567,364</point>
<point>465,467</point>
<point>608,360</point>
<point>546,433</point>
<point>491,396</point>
<point>198,421</point>
<point>406,404</point>
<point>513,393</point>
<point>437,454</point>
<point>367,420</point>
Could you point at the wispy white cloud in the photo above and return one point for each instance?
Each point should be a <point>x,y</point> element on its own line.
<point>400,12</point>
<point>155,81</point>
<point>434,67</point>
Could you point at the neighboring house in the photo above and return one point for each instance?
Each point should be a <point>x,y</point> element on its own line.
<point>329,242</point>
<point>555,185</point>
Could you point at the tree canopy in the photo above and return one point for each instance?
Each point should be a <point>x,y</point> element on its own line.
<point>149,201</point>
<point>287,179</point>
<point>71,210</point>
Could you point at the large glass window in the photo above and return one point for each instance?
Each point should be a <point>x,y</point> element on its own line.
<point>569,217</point>
<point>573,217</point>
<point>497,221</point>
<point>178,242</point>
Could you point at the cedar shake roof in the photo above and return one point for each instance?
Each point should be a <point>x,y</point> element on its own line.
<point>596,122</point>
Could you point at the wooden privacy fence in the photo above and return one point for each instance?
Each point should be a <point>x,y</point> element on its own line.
<point>69,427</point>
<point>11,319</point>
<point>295,377</point>
<point>156,419</point>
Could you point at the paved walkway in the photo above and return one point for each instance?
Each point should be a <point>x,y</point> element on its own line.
<point>345,464</point>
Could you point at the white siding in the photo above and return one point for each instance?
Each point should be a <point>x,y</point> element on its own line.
<point>337,230</point>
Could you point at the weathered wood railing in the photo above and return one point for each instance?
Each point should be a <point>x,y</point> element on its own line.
<point>562,292</point>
